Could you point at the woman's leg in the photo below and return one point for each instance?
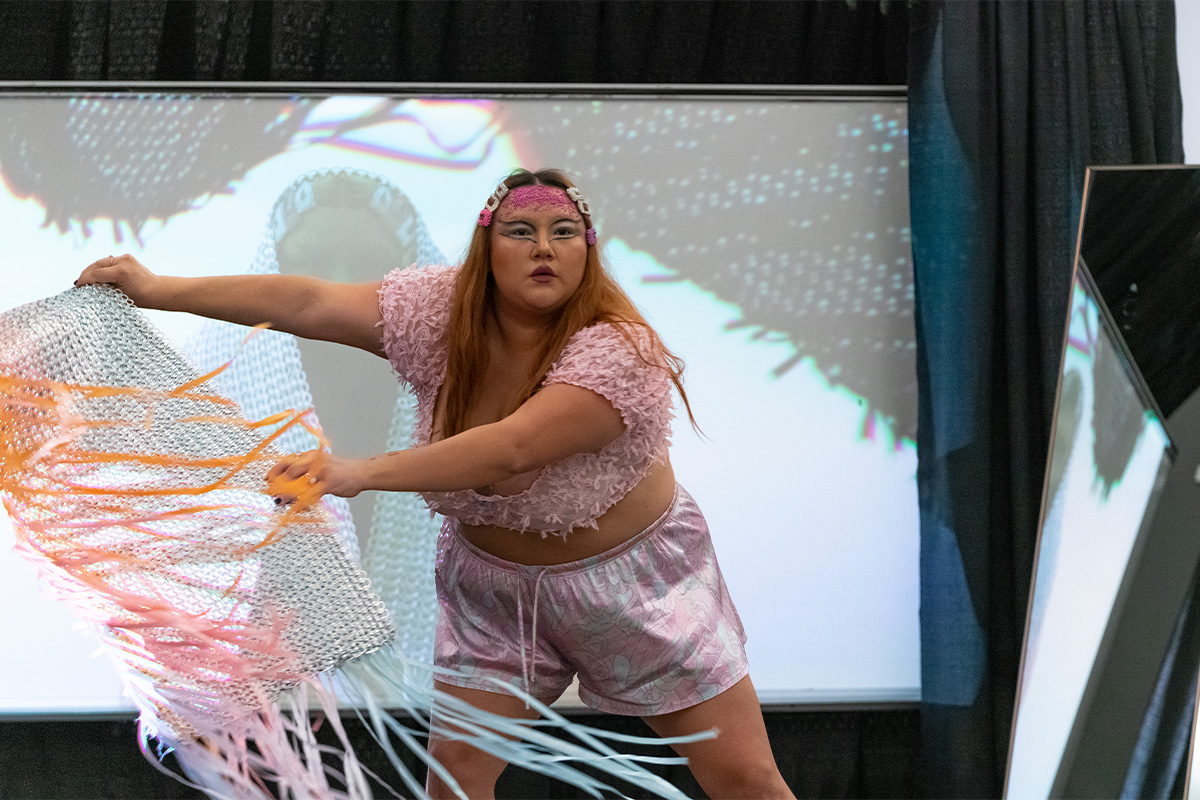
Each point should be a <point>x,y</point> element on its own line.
<point>475,770</point>
<point>738,763</point>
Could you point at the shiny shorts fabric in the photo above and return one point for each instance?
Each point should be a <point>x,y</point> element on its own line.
<point>648,626</point>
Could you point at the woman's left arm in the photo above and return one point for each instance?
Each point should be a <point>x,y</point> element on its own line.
<point>559,421</point>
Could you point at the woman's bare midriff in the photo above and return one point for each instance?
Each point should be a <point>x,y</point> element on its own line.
<point>631,515</point>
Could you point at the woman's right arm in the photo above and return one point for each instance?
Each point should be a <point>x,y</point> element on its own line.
<point>346,313</point>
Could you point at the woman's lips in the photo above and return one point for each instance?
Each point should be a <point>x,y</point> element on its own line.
<point>543,275</point>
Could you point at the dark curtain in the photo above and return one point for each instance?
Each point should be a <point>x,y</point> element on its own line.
<point>1008,103</point>
<point>587,41</point>
<point>821,754</point>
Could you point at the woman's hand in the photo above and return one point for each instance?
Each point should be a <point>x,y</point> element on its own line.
<point>127,274</point>
<point>312,474</point>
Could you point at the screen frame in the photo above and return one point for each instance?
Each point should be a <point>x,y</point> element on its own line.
<point>798,92</point>
<point>793,93</point>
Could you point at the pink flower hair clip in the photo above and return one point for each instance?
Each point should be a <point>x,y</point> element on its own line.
<point>489,208</point>
<point>577,198</point>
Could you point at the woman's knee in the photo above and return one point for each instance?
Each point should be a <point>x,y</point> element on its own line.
<point>473,769</point>
<point>748,778</point>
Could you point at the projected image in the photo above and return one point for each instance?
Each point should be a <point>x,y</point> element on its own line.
<point>1107,463</point>
<point>767,242</point>
<point>778,254</point>
<point>126,161</point>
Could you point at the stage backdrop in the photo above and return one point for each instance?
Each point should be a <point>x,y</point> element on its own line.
<point>767,239</point>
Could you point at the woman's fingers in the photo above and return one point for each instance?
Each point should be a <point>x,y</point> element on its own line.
<point>102,263</point>
<point>288,490</point>
<point>292,465</point>
<point>301,467</point>
<point>296,476</point>
<point>124,272</point>
<point>102,270</point>
<point>277,469</point>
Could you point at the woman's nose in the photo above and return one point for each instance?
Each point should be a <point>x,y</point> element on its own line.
<point>541,245</point>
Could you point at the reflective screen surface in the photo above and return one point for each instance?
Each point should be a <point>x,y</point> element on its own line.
<point>1142,241</point>
<point>766,239</point>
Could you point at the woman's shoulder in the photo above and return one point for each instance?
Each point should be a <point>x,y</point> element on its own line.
<point>415,304</point>
<point>621,361</point>
<point>417,289</point>
<point>606,340</point>
<point>418,277</point>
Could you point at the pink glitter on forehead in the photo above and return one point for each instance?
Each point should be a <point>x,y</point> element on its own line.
<point>538,197</point>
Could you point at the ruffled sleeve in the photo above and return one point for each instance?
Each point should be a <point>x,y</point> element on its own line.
<point>601,359</point>
<point>415,303</point>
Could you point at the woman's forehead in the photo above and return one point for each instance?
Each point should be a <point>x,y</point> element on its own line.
<point>539,199</point>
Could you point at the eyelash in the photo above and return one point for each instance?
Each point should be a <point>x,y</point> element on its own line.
<point>526,232</point>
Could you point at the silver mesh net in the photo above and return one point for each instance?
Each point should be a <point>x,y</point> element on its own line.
<point>145,491</point>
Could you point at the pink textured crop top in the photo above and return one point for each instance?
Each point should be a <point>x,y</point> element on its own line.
<point>567,494</point>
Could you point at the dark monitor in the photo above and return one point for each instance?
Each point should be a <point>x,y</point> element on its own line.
<point>1109,457</point>
<point>1140,240</point>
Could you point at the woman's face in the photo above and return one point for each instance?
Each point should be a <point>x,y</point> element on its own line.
<point>539,251</point>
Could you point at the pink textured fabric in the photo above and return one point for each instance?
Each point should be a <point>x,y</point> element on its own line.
<point>568,494</point>
<point>538,197</point>
<point>648,626</point>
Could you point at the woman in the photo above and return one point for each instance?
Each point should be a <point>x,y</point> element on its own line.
<point>543,424</point>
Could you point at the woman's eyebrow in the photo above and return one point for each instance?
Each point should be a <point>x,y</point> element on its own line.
<point>523,221</point>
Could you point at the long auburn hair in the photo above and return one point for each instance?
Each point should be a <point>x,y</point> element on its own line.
<point>598,299</point>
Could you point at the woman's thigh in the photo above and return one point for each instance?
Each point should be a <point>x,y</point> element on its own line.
<point>473,769</point>
<point>738,762</point>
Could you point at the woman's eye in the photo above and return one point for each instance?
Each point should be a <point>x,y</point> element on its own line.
<point>565,232</point>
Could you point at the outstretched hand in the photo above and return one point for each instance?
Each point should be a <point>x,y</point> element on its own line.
<point>312,474</point>
<point>127,274</point>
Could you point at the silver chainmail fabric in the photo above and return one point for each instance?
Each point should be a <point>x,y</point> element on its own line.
<point>145,492</point>
<point>267,376</point>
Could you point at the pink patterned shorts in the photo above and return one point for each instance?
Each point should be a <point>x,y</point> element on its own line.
<point>648,626</point>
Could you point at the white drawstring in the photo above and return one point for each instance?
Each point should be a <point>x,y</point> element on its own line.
<point>521,633</point>
<point>537,584</point>
<point>528,666</point>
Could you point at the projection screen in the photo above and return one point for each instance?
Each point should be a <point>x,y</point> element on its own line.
<point>766,238</point>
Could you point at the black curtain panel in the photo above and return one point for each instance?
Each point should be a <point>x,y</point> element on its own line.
<point>821,754</point>
<point>1009,101</point>
<point>615,41</point>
